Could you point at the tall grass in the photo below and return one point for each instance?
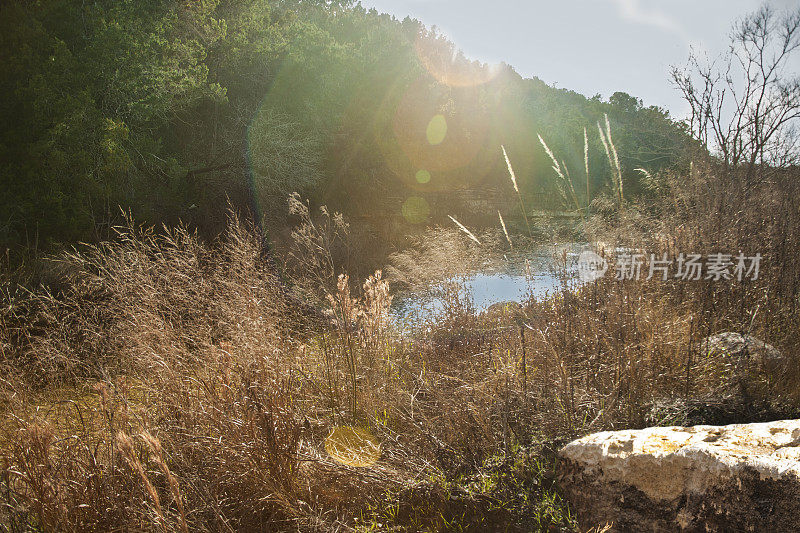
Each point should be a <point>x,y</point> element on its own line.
<point>613,160</point>
<point>516,189</point>
<point>205,396</point>
<point>171,384</point>
<point>564,185</point>
<point>586,168</point>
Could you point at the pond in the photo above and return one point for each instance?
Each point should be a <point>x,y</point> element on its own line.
<point>511,277</point>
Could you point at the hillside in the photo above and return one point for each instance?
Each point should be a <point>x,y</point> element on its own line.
<point>172,111</point>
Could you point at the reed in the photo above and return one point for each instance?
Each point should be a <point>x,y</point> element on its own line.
<point>586,168</point>
<point>505,231</point>
<point>463,228</point>
<point>516,189</point>
<point>231,388</point>
<point>613,160</point>
<point>564,185</point>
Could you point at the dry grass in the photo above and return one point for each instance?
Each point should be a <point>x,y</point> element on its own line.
<point>168,384</point>
<point>171,385</point>
<point>440,253</point>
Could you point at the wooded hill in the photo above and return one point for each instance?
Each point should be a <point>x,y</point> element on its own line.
<point>172,110</point>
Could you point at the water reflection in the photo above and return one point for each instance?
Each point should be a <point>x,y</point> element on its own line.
<point>517,277</point>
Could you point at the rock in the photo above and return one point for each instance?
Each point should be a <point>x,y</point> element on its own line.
<point>736,364</point>
<point>741,477</point>
<point>744,349</point>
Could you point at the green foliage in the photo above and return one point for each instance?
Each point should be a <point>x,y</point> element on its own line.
<point>88,91</point>
<point>174,110</point>
<point>514,493</point>
<point>284,158</point>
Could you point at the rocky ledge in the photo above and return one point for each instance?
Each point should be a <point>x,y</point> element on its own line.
<point>742,477</point>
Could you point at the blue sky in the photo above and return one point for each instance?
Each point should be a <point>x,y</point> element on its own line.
<point>591,46</point>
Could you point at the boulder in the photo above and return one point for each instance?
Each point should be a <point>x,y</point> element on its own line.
<point>744,349</point>
<point>741,477</point>
<point>740,365</point>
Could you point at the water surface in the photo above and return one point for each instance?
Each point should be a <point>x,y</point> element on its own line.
<point>511,277</point>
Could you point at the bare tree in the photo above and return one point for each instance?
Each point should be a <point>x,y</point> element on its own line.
<point>746,104</point>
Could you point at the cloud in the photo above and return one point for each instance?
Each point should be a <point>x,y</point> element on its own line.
<point>634,11</point>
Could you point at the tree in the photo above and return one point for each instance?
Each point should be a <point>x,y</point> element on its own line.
<point>746,105</point>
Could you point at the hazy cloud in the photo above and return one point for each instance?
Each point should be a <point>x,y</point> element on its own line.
<point>634,11</point>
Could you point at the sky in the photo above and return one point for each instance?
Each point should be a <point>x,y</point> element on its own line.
<point>589,46</point>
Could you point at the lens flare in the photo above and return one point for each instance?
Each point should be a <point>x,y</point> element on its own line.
<point>352,446</point>
<point>449,66</point>
<point>436,130</point>
<point>430,128</point>
<point>423,176</point>
<point>416,210</point>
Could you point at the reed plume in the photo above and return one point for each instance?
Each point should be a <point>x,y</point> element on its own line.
<point>586,167</point>
<point>464,229</point>
<point>565,185</point>
<point>125,446</point>
<point>505,231</point>
<point>158,455</point>
<point>613,159</point>
<point>510,169</point>
<point>516,188</point>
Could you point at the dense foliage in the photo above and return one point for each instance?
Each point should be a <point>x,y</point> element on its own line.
<point>175,109</point>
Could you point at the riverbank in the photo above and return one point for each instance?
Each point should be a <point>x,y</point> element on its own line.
<point>172,382</point>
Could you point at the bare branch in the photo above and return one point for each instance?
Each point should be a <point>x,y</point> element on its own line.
<point>745,105</point>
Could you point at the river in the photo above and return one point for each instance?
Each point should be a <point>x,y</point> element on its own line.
<point>537,273</point>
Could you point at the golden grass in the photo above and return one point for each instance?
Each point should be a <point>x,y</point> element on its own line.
<point>171,384</point>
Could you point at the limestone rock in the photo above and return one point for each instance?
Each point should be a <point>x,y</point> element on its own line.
<point>744,347</point>
<point>742,477</point>
<point>740,365</point>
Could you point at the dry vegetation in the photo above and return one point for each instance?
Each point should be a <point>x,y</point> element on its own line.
<point>168,384</point>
